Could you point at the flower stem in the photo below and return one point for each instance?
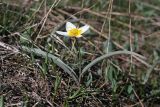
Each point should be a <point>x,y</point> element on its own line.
<point>79,56</point>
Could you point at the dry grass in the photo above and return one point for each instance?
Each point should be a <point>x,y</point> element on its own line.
<point>115,64</point>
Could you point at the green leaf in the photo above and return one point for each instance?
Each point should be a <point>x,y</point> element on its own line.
<point>108,46</point>
<point>1,101</point>
<point>114,85</point>
<point>89,79</point>
<point>129,89</point>
<point>25,36</point>
<point>57,83</point>
<point>136,46</point>
<point>110,73</point>
<point>77,93</point>
<point>111,76</point>
<point>66,104</point>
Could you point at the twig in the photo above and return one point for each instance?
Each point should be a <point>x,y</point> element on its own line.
<point>130,35</point>
<point>11,48</point>
<point>45,19</point>
<point>102,14</point>
<point>113,13</point>
<point>138,98</point>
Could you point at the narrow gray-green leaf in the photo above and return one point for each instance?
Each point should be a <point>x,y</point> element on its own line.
<point>110,54</point>
<point>55,59</point>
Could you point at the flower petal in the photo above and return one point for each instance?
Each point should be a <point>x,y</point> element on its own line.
<point>62,33</point>
<point>84,28</point>
<point>70,26</point>
<point>78,36</point>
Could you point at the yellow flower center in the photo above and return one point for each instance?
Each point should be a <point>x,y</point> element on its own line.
<point>74,32</point>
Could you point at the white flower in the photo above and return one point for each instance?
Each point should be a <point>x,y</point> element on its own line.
<point>73,31</point>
